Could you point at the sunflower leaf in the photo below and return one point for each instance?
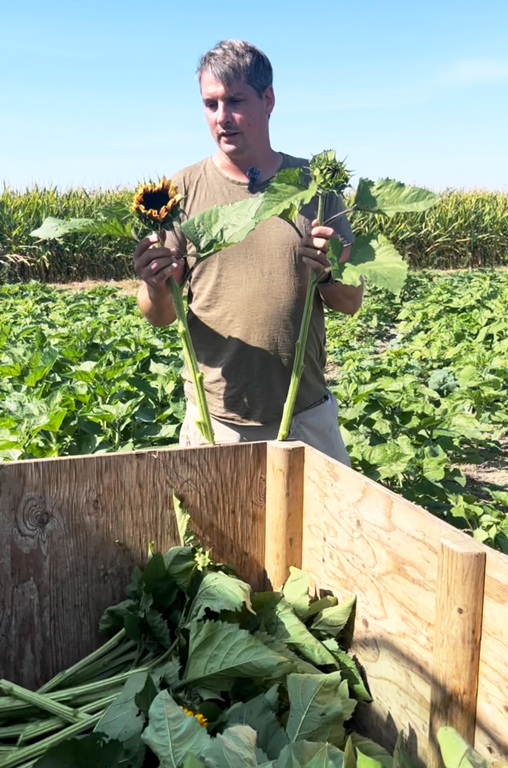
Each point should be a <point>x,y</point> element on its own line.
<point>172,734</point>
<point>307,754</point>
<point>220,652</point>
<point>52,228</point>
<point>234,748</point>
<point>259,714</point>
<point>389,197</point>
<point>218,592</point>
<point>377,259</point>
<point>217,228</point>
<point>319,705</point>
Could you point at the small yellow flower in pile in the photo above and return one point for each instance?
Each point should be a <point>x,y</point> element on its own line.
<point>200,718</point>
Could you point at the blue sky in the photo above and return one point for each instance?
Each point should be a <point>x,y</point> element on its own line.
<point>103,92</point>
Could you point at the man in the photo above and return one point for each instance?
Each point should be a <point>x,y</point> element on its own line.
<point>246,302</point>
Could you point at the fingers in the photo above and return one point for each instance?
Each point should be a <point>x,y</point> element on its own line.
<point>155,264</point>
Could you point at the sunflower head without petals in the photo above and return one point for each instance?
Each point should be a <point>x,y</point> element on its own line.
<point>157,202</point>
<point>330,174</point>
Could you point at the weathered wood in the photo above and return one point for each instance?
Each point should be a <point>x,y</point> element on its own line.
<point>457,637</point>
<point>492,704</point>
<point>284,509</point>
<point>72,530</point>
<point>362,539</point>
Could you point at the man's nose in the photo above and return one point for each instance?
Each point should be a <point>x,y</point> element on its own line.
<point>222,113</point>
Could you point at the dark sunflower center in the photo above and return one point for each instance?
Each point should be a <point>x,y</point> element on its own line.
<point>155,200</point>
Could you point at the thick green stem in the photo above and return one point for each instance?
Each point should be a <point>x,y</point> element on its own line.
<point>23,754</point>
<point>34,730</point>
<point>299,364</point>
<point>204,422</point>
<point>40,701</point>
<point>84,663</point>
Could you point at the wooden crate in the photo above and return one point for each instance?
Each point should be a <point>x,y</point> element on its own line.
<point>431,628</point>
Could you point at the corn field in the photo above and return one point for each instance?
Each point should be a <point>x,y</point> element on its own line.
<point>466,229</point>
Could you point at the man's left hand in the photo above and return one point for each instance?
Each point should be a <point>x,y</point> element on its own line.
<point>314,251</point>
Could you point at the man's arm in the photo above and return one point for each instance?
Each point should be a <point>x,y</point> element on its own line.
<point>155,265</point>
<point>341,297</point>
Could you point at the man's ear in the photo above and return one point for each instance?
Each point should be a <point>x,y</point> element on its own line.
<point>269,100</point>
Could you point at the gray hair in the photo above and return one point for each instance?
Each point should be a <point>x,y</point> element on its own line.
<point>232,60</point>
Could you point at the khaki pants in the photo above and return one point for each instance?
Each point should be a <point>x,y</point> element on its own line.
<point>317,426</point>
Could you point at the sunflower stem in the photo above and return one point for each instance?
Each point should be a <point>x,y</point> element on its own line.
<point>299,364</point>
<point>204,422</point>
<point>83,663</point>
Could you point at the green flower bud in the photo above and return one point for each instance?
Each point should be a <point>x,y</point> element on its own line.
<point>330,174</point>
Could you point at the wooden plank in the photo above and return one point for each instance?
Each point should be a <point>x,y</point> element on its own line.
<point>284,509</point>
<point>492,704</point>
<point>72,530</point>
<point>457,638</point>
<point>362,539</point>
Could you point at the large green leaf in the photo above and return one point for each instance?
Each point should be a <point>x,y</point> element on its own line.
<point>332,620</point>
<point>369,748</point>
<point>172,734</point>
<point>218,592</point>
<point>217,228</point>
<point>220,652</point>
<point>285,195</point>
<point>319,706</point>
<point>52,228</point>
<point>296,591</point>
<point>456,752</point>
<point>389,196</point>
<point>122,718</point>
<point>222,226</point>
<point>234,748</point>
<point>285,625</point>
<point>259,714</point>
<point>349,669</point>
<point>377,259</point>
<point>306,754</point>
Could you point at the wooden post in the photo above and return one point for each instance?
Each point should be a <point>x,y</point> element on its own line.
<point>284,509</point>
<point>457,637</point>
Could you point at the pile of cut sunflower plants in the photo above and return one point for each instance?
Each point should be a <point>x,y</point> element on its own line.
<point>202,672</point>
<point>199,669</point>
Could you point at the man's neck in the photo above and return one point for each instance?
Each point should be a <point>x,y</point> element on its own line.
<point>268,164</point>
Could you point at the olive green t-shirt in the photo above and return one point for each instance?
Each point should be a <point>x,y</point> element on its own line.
<point>246,303</point>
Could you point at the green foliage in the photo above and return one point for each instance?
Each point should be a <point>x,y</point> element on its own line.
<point>388,197</point>
<point>84,373</point>
<point>464,229</point>
<point>80,255</point>
<point>422,389</point>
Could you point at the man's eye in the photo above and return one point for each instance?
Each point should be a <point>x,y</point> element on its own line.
<point>211,104</point>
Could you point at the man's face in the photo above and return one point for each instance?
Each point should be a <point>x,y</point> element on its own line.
<point>237,116</point>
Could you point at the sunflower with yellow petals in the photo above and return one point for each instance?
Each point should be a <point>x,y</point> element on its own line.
<point>157,202</point>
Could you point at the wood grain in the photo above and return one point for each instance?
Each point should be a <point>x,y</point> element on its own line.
<point>492,705</point>
<point>284,510</point>
<point>72,530</point>
<point>457,637</point>
<point>362,539</point>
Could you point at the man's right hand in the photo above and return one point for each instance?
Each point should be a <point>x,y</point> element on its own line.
<point>155,264</point>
